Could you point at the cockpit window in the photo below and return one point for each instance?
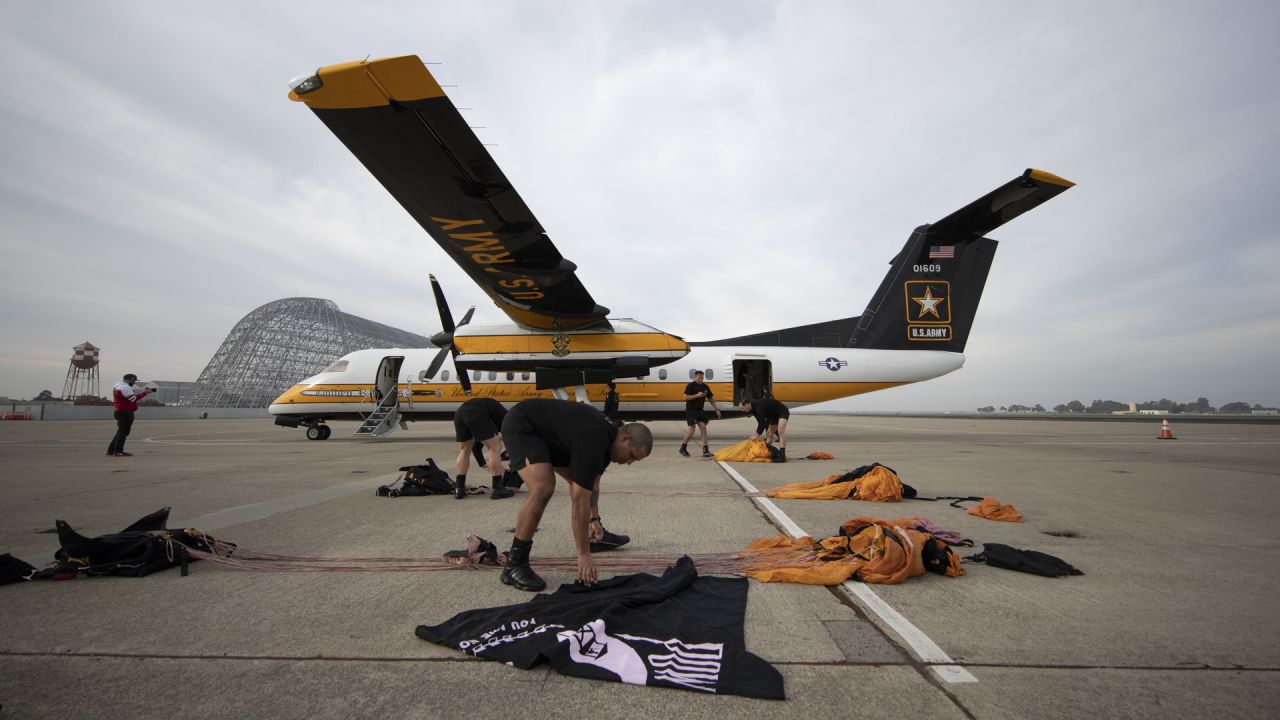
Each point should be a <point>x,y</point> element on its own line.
<point>339,366</point>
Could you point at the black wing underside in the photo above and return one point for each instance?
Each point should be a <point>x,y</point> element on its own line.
<point>394,117</point>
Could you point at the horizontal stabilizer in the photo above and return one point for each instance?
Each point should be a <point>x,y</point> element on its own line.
<point>1002,204</point>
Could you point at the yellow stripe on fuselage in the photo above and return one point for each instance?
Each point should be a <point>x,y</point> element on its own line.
<point>639,393</point>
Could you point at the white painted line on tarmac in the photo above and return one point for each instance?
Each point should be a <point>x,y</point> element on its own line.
<point>924,648</point>
<point>774,511</point>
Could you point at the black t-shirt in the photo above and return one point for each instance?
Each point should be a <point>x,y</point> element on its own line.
<point>488,406</point>
<point>767,411</point>
<point>694,388</point>
<point>578,435</point>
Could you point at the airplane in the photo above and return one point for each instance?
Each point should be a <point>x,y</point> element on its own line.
<point>397,120</point>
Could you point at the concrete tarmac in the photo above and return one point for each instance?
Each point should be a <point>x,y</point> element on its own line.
<point>1174,617</point>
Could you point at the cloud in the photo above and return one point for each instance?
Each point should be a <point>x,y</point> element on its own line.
<point>714,169</point>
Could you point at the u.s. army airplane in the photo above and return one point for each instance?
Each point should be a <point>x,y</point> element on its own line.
<point>395,118</point>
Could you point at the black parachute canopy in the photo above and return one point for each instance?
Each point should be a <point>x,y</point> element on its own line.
<point>679,630</point>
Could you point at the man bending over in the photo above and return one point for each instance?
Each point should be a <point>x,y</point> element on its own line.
<point>546,438</point>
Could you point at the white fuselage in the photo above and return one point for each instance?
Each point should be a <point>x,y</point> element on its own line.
<point>795,376</point>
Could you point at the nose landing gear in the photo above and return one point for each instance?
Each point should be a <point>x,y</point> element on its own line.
<point>319,432</point>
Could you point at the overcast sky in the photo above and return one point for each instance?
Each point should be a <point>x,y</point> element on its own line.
<point>156,184</point>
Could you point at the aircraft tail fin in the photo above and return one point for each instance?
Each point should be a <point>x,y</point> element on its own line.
<point>929,297</point>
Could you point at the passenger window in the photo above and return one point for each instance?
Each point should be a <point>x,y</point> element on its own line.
<point>662,374</point>
<point>493,375</point>
<point>476,375</point>
<point>692,372</point>
<point>524,376</point>
<point>444,375</point>
<point>710,373</point>
<point>511,376</point>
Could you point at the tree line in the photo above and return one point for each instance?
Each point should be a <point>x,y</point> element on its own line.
<point>1106,407</point>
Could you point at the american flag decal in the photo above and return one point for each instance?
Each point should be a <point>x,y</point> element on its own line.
<point>942,252</point>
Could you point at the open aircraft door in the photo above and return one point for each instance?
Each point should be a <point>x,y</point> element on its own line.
<point>752,377</point>
<point>386,395</point>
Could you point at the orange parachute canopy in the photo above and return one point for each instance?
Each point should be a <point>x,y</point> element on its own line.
<point>874,550</point>
<point>879,484</point>
<point>748,450</point>
<point>991,509</point>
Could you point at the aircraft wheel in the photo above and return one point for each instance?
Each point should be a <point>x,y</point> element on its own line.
<point>315,432</point>
<point>326,431</point>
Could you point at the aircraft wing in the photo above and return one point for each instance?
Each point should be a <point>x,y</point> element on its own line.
<point>394,117</point>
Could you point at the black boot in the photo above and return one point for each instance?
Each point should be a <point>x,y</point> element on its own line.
<point>517,571</point>
<point>460,487</point>
<point>500,490</point>
<point>684,450</point>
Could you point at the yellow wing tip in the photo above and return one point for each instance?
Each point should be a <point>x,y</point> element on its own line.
<point>1048,177</point>
<point>370,83</point>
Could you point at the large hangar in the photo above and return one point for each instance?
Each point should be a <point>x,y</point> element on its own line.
<point>282,342</point>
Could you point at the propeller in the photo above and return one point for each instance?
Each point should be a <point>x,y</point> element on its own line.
<point>444,338</point>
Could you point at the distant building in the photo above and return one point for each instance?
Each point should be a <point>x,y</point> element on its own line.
<point>281,343</point>
<point>1153,412</point>
<point>171,392</point>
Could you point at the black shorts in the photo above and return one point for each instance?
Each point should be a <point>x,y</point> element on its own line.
<point>693,417</point>
<point>473,423</point>
<point>524,446</point>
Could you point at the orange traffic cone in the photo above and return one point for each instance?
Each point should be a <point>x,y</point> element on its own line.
<point>1166,432</point>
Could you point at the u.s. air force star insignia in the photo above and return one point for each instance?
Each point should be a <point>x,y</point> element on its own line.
<point>928,303</point>
<point>560,344</point>
<point>833,363</point>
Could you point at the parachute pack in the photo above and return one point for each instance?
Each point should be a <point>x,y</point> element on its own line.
<point>140,549</point>
<point>424,479</point>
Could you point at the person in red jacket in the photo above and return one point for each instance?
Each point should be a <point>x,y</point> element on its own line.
<point>125,400</point>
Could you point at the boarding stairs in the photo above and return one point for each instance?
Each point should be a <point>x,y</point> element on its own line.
<point>382,421</point>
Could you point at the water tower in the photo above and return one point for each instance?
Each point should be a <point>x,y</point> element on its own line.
<point>82,373</point>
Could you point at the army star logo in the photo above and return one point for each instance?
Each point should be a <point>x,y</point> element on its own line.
<point>928,303</point>
<point>560,344</point>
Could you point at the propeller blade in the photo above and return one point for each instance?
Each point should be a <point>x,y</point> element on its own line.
<point>446,318</point>
<point>463,379</point>
<point>466,318</point>
<point>436,362</point>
